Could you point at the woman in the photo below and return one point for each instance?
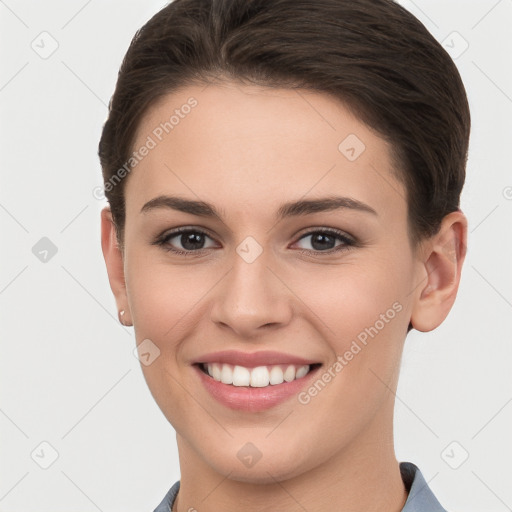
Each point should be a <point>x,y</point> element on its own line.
<point>283,182</point>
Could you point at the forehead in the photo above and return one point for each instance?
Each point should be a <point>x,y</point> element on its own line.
<point>237,145</point>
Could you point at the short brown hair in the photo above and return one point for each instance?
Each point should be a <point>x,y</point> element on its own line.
<point>372,55</point>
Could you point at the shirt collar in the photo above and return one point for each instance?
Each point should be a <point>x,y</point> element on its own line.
<point>421,498</point>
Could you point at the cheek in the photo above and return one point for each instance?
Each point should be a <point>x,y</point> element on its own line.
<point>360,310</point>
<point>164,298</point>
<point>359,299</point>
<point>361,314</point>
<point>165,303</point>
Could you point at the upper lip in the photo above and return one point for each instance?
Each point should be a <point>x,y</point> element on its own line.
<point>253,359</point>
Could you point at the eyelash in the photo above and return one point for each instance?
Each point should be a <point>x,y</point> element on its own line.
<point>163,241</point>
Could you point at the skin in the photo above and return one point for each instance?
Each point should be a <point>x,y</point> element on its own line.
<point>247,150</point>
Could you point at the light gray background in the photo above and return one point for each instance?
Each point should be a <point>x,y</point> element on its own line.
<point>68,374</point>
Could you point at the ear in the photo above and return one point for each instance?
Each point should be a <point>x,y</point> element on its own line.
<point>442,257</point>
<point>115,265</point>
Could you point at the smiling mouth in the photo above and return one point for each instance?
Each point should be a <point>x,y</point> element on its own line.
<point>256,377</point>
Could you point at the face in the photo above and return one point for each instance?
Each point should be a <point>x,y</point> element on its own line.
<point>297,255</point>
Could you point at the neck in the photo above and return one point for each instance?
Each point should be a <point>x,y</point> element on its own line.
<point>365,477</point>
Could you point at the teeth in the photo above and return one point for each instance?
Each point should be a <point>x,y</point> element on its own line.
<point>289,373</point>
<point>216,372</point>
<point>226,375</point>
<point>276,375</point>
<point>301,372</point>
<point>241,376</point>
<point>258,377</point>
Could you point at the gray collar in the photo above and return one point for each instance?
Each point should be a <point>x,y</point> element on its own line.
<point>421,498</point>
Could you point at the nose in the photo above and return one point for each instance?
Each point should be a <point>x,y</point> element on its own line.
<point>252,298</point>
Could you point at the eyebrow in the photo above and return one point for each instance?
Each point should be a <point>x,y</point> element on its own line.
<point>290,209</point>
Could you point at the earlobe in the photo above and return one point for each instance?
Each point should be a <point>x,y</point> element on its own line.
<point>115,265</point>
<point>443,257</point>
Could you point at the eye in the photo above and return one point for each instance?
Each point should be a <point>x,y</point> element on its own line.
<point>325,240</point>
<point>191,241</point>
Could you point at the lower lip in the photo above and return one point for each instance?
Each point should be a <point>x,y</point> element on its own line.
<point>251,399</point>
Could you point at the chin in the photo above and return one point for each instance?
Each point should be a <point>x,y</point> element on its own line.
<point>243,462</point>
<point>268,472</point>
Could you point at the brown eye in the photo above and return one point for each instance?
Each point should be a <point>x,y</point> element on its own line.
<point>183,241</point>
<point>326,241</point>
